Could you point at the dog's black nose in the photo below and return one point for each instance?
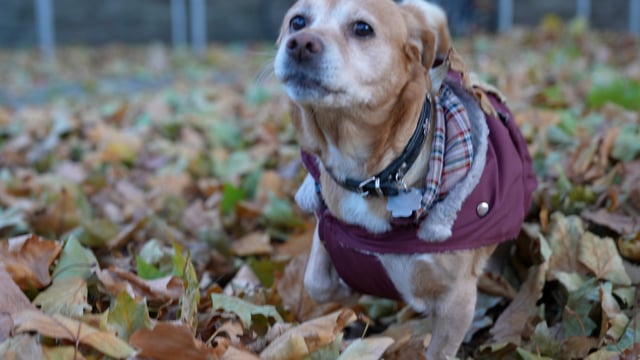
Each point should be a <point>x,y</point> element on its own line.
<point>304,46</point>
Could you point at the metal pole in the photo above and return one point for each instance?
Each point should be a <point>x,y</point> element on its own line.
<point>634,16</point>
<point>505,15</point>
<point>178,23</point>
<point>198,26</point>
<point>45,28</point>
<point>583,9</point>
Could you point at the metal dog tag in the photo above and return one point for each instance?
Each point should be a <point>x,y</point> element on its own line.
<point>405,203</point>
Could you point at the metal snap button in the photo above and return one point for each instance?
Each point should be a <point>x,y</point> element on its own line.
<point>482,209</point>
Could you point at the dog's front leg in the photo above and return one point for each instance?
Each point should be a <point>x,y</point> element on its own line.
<point>321,278</point>
<point>452,316</point>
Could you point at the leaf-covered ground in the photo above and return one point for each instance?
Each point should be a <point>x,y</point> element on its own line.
<point>146,209</point>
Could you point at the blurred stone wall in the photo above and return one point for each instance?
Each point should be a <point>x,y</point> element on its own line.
<point>136,21</point>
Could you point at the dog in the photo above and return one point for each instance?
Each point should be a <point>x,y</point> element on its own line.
<point>416,170</point>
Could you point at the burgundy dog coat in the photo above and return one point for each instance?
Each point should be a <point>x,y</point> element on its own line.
<point>506,185</point>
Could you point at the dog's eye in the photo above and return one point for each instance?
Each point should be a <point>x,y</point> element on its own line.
<point>362,29</point>
<point>298,22</point>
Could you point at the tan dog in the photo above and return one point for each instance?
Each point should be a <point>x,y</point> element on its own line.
<point>359,74</point>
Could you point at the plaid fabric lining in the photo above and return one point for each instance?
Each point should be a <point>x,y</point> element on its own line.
<point>451,148</point>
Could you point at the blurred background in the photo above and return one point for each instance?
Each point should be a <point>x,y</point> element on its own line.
<point>25,23</point>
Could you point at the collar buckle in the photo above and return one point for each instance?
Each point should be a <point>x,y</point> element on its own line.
<point>376,186</point>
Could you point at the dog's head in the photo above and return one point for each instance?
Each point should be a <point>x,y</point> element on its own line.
<point>357,53</point>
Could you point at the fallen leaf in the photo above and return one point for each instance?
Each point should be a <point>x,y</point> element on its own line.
<point>61,353</point>
<point>233,353</point>
<point>565,236</point>
<point>12,301</point>
<point>294,296</point>
<point>75,261</point>
<point>255,243</point>
<point>67,297</point>
<point>244,309</point>
<point>21,347</point>
<point>168,342</point>
<point>127,316</point>
<point>28,258</point>
<point>307,337</point>
<point>601,256</point>
<point>614,321</point>
<point>366,349</point>
<point>511,323</point>
<point>161,290</point>
<point>59,327</point>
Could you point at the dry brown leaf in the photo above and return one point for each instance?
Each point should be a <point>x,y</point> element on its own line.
<point>614,321</point>
<point>59,327</point>
<point>233,353</point>
<point>492,283</point>
<point>295,298</point>
<point>244,280</point>
<point>578,347</point>
<point>601,256</point>
<point>57,218</point>
<point>565,236</point>
<point>21,347</point>
<point>300,241</point>
<point>410,339</point>
<point>622,224</point>
<point>163,289</point>
<point>255,243</point>
<point>305,338</point>
<point>12,301</point>
<point>512,322</point>
<point>28,258</point>
<point>169,342</point>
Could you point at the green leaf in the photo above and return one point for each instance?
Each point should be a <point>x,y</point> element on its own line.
<point>622,91</point>
<point>146,270</point>
<point>179,260</point>
<point>231,195</point>
<point>626,146</point>
<point>526,355</point>
<point>190,299</point>
<point>266,268</point>
<point>67,296</point>
<point>75,261</point>
<point>331,351</point>
<point>127,316</point>
<point>575,318</point>
<point>279,213</point>
<point>630,336</point>
<point>244,309</point>
<point>544,342</point>
<point>96,232</point>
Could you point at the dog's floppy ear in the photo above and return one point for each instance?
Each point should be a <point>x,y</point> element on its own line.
<point>428,30</point>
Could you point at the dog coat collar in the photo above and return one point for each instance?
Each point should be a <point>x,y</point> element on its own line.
<point>389,182</point>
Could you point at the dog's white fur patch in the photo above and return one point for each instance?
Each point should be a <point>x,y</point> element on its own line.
<point>306,196</point>
<point>355,208</point>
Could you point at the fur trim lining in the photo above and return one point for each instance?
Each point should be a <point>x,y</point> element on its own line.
<point>439,221</point>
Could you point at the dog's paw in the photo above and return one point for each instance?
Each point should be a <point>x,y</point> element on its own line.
<point>324,289</point>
